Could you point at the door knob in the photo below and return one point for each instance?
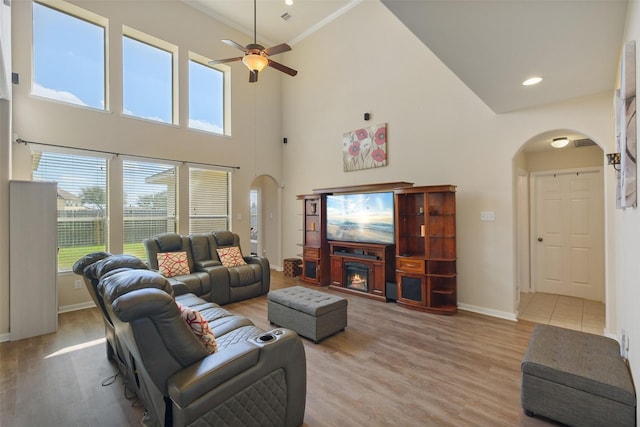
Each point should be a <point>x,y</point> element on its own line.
<point>540,239</point>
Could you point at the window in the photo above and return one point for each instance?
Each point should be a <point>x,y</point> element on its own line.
<point>147,77</point>
<point>82,202</point>
<point>208,200</point>
<point>69,56</point>
<point>149,203</point>
<point>206,98</point>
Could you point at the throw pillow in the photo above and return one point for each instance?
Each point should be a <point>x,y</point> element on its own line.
<point>173,263</point>
<point>200,327</point>
<point>231,256</point>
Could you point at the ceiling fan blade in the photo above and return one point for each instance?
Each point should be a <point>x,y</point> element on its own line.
<point>282,68</point>
<point>234,44</point>
<point>223,61</point>
<point>253,76</point>
<point>274,50</point>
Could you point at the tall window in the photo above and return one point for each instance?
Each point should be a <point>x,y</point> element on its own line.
<point>149,203</point>
<point>147,80</point>
<point>208,200</point>
<point>206,98</point>
<point>82,202</point>
<point>68,57</point>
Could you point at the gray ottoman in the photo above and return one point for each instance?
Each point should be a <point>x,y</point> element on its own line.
<point>310,313</point>
<point>576,378</point>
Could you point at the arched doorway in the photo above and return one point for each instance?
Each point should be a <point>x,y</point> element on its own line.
<point>558,191</point>
<point>264,204</point>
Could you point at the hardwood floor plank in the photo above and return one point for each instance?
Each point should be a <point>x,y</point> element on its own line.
<point>390,367</point>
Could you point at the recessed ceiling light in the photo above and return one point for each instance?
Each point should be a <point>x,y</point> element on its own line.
<point>288,2</point>
<point>560,142</point>
<point>532,81</point>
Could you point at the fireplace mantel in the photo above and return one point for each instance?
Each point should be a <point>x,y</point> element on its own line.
<point>379,259</point>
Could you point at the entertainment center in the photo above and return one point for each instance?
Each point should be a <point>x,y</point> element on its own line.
<point>383,241</point>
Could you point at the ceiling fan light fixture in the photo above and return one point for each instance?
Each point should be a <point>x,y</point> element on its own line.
<point>255,62</point>
<point>560,142</point>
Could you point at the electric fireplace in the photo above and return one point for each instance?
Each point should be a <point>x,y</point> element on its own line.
<point>356,276</point>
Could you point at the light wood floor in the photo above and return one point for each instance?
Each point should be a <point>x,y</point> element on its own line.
<point>390,367</point>
<point>563,311</point>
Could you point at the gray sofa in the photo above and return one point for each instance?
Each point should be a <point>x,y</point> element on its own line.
<point>254,378</point>
<point>207,277</point>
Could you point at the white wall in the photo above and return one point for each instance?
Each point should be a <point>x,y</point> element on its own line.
<point>439,132</point>
<point>627,245</point>
<point>255,145</point>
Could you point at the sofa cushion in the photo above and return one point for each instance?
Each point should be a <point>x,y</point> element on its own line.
<point>224,238</point>
<point>231,256</point>
<point>173,264</point>
<point>200,327</point>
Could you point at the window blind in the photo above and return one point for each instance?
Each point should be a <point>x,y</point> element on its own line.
<point>208,200</point>
<point>82,201</point>
<point>150,200</point>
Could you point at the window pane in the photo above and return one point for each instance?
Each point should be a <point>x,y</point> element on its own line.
<point>82,202</point>
<point>68,58</point>
<point>149,203</point>
<point>206,98</point>
<point>208,200</point>
<point>147,81</point>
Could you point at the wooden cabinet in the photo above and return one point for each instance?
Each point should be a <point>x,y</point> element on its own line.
<point>372,263</point>
<point>426,248</point>
<point>315,256</point>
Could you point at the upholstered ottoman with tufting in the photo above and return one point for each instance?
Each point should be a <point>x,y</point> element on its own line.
<point>576,378</point>
<point>312,314</point>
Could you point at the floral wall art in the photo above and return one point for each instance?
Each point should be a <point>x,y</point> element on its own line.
<point>365,148</point>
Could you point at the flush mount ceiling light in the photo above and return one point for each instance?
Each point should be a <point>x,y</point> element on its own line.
<point>532,81</point>
<point>560,142</point>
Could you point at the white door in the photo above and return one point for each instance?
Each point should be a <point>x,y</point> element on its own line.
<point>568,234</point>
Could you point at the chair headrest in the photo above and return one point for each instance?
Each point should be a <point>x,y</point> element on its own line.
<point>169,242</point>
<point>223,238</point>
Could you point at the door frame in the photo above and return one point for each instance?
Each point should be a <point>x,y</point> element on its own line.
<point>534,177</point>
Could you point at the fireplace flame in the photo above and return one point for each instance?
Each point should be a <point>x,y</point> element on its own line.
<point>358,282</point>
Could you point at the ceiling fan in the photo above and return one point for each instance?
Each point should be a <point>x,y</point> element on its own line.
<point>256,57</point>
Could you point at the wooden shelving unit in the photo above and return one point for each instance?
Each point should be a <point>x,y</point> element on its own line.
<point>426,248</point>
<point>315,249</point>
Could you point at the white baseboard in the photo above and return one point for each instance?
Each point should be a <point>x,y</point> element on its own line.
<point>74,307</point>
<point>5,337</point>
<point>488,312</point>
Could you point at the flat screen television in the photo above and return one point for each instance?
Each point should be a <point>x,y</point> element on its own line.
<point>361,217</point>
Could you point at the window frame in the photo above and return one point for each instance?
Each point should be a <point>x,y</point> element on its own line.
<point>170,48</point>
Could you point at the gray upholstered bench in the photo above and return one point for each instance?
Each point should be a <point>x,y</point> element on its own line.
<point>312,314</point>
<point>577,378</point>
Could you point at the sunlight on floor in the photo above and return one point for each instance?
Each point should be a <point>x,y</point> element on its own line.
<point>559,310</point>
<point>75,347</point>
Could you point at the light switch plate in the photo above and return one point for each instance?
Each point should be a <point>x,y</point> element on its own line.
<point>487,216</point>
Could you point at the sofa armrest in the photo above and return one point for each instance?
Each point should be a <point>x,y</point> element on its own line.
<point>263,262</point>
<point>201,265</point>
<point>190,383</point>
<point>202,387</point>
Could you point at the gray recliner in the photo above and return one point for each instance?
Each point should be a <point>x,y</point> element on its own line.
<point>254,378</point>
<point>196,282</point>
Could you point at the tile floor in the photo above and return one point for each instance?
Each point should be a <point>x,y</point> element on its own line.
<point>567,312</point>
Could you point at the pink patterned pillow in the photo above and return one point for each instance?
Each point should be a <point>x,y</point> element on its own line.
<point>173,263</point>
<point>200,327</point>
<point>231,256</point>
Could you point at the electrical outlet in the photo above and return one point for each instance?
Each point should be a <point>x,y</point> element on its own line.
<point>77,284</point>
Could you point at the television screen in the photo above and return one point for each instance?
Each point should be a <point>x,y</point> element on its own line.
<point>362,217</point>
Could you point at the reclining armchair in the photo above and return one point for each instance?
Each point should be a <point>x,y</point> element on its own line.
<point>186,279</point>
<point>252,378</point>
